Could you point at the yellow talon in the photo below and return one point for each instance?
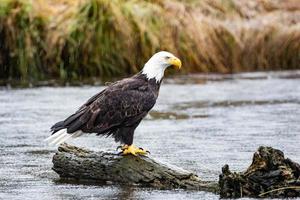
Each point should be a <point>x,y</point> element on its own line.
<point>133,150</point>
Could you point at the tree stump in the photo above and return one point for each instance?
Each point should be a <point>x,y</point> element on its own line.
<point>71,162</point>
<point>269,175</point>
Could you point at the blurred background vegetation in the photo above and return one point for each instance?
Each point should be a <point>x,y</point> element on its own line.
<point>83,40</point>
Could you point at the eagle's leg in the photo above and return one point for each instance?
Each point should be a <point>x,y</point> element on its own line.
<point>125,135</point>
<point>131,149</point>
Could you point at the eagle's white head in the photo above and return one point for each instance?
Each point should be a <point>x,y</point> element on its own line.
<point>156,65</point>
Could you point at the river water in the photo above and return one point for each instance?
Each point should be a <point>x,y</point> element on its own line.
<point>200,123</point>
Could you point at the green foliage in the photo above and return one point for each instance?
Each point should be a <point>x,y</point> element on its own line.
<point>108,38</point>
<point>21,42</point>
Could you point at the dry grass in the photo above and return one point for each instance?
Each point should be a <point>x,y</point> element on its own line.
<point>21,40</point>
<point>76,39</point>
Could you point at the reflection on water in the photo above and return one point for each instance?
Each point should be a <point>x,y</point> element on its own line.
<point>200,123</point>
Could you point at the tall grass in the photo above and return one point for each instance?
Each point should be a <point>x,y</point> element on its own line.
<point>275,48</point>
<point>75,40</point>
<point>21,42</point>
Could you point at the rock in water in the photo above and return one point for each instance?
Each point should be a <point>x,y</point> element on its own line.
<point>269,175</point>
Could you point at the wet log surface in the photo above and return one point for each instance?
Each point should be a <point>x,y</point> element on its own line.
<point>269,175</point>
<point>109,167</point>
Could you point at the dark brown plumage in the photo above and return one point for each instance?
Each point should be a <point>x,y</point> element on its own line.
<point>116,111</point>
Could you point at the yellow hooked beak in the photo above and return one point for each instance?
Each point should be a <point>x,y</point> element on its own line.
<point>175,62</point>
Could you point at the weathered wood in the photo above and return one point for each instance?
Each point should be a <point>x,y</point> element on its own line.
<point>269,175</point>
<point>81,164</point>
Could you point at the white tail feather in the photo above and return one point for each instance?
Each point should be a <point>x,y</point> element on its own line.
<point>52,137</point>
<point>62,136</point>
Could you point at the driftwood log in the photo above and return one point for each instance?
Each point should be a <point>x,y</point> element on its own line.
<point>109,167</point>
<point>269,175</point>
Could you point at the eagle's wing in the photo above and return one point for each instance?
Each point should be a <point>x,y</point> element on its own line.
<point>121,104</point>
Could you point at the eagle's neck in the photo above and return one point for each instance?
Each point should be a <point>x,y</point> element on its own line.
<point>154,85</point>
<point>154,71</point>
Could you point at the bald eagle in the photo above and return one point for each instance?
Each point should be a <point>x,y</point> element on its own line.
<point>117,110</point>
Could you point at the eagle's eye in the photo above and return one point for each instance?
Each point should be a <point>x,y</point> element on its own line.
<point>167,57</point>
